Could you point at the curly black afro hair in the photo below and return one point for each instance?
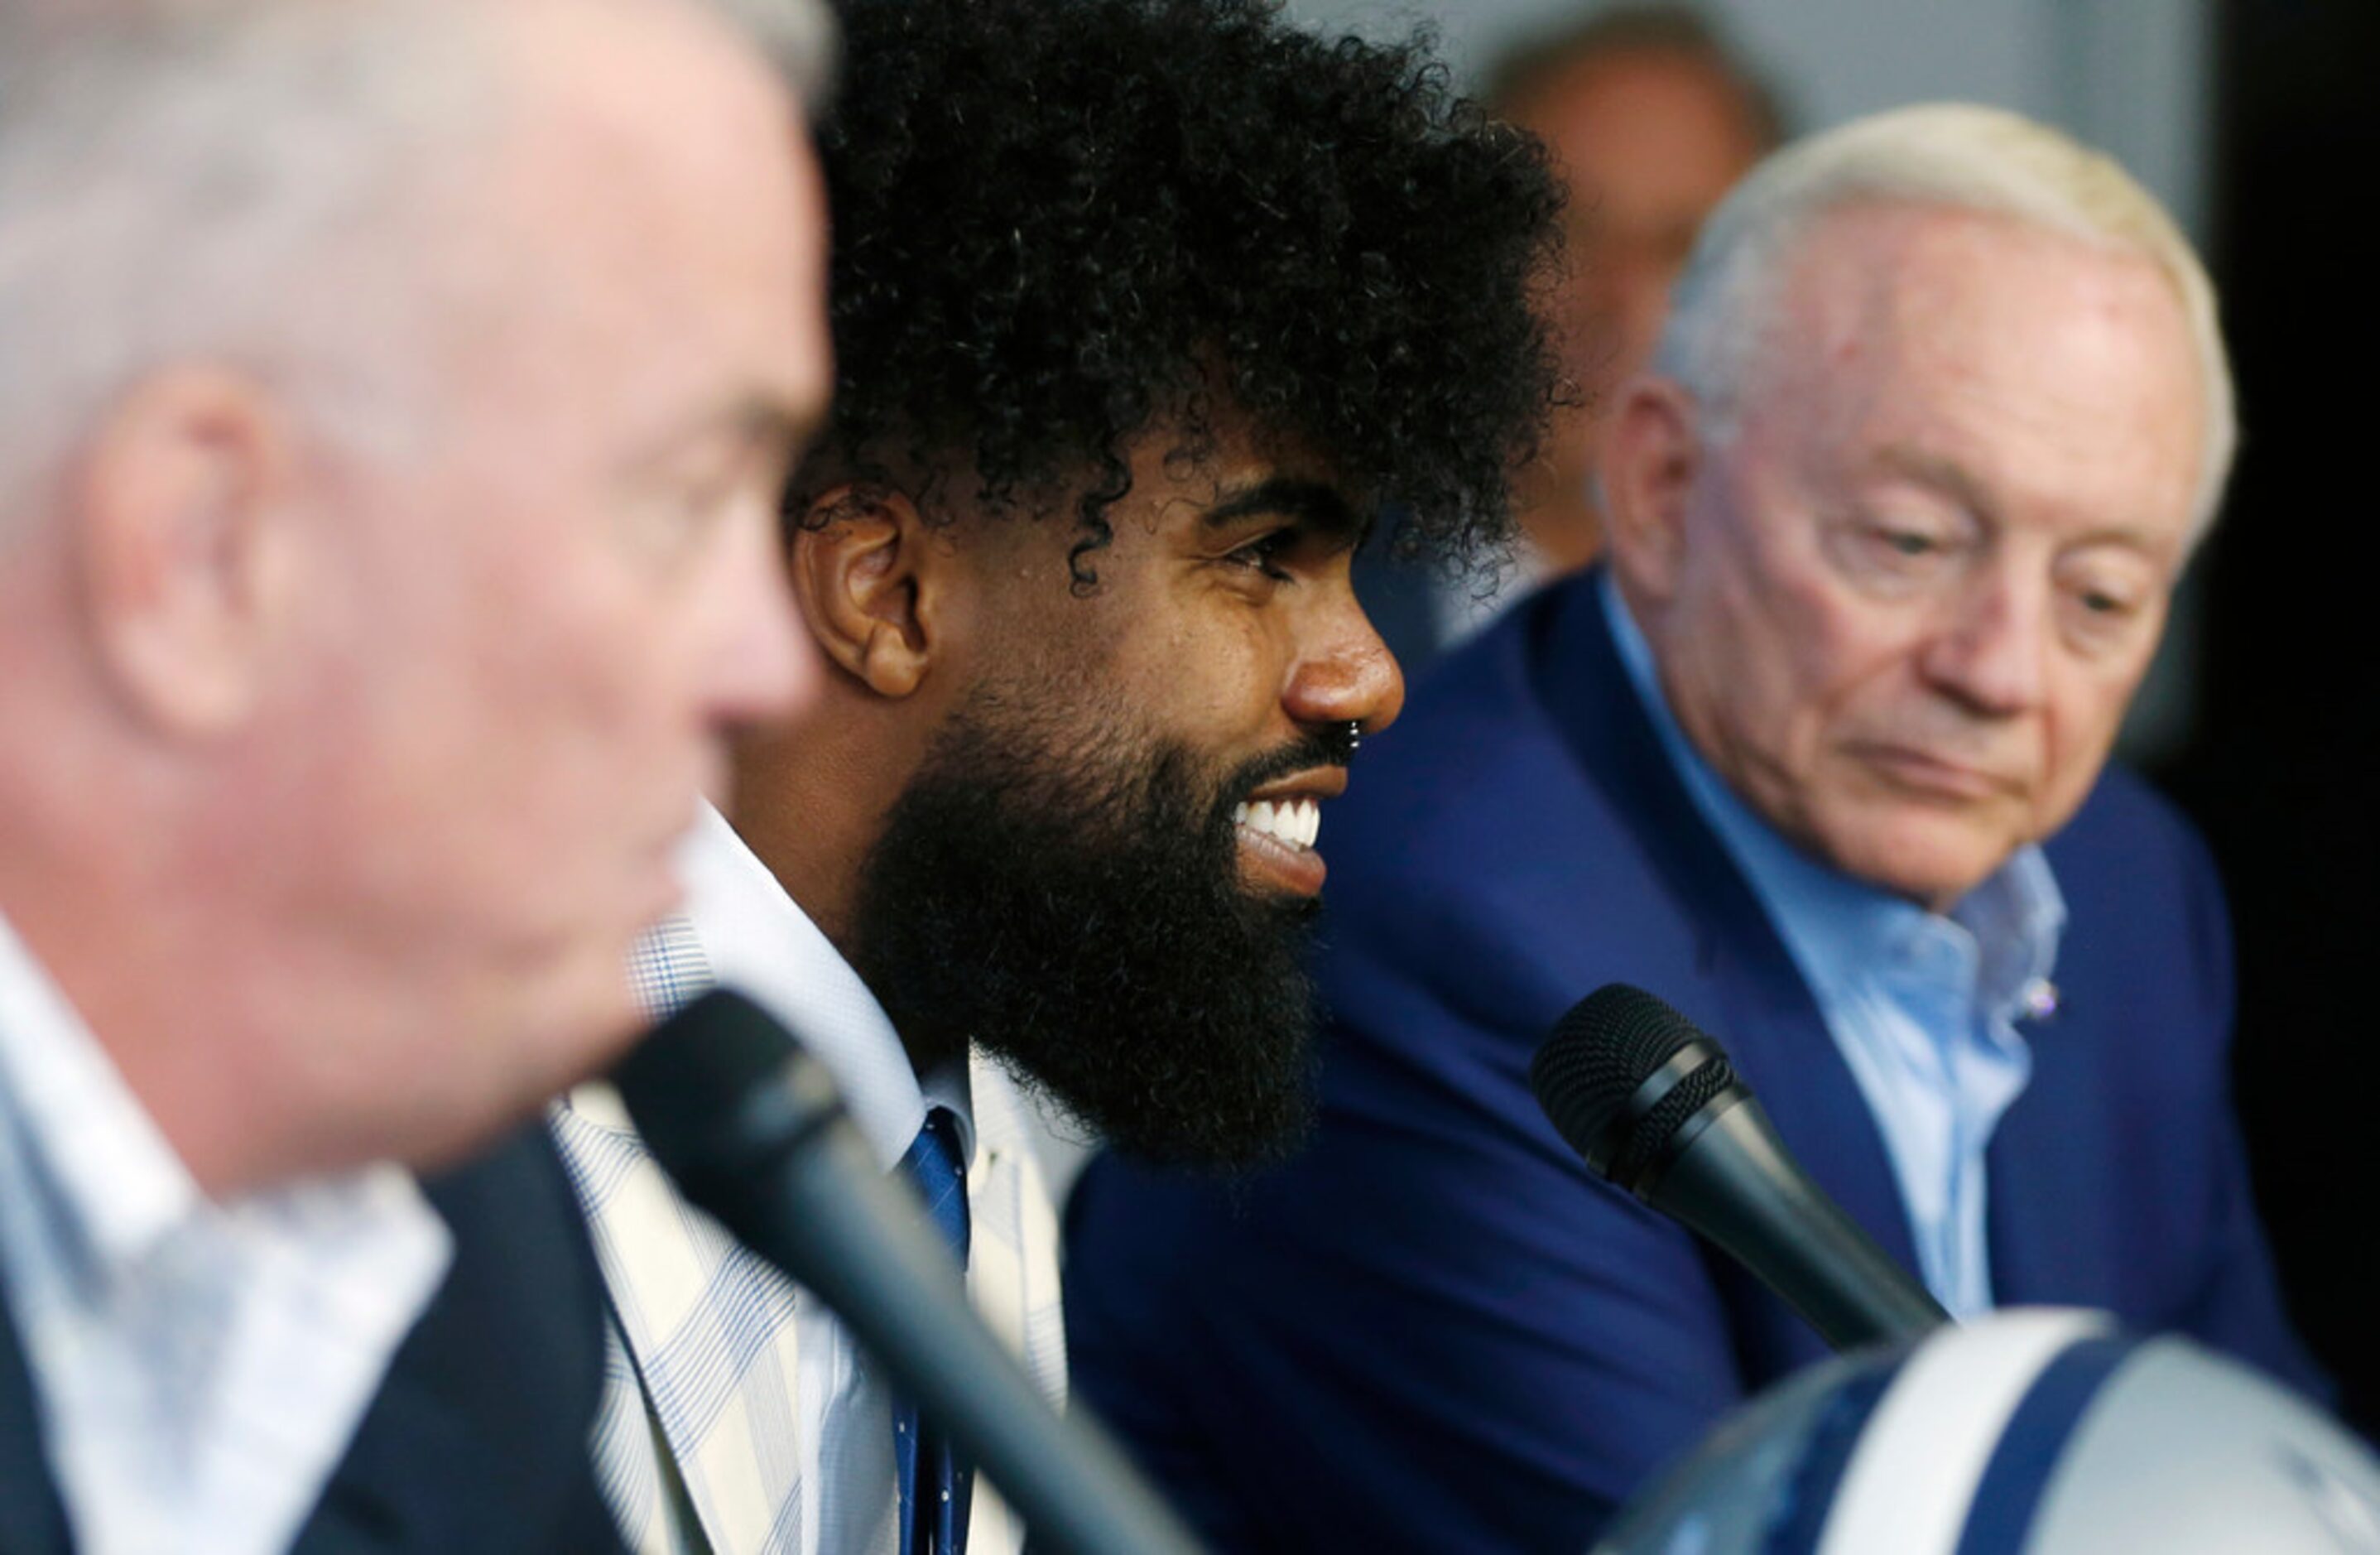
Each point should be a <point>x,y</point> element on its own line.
<point>1058,222</point>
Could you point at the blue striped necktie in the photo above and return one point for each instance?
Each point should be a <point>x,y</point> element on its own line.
<point>935,1483</point>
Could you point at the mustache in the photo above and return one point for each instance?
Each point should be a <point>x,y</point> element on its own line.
<point>1330,745</point>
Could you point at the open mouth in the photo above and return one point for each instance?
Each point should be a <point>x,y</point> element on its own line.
<point>1291,823</point>
<point>1276,838</point>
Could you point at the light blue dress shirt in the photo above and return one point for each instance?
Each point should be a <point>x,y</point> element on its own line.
<point>1923,1005</point>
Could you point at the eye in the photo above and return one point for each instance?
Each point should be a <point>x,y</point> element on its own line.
<point>2105,588</point>
<point>1263,554</point>
<point>1901,544</point>
<point>1897,549</point>
<point>2103,612</point>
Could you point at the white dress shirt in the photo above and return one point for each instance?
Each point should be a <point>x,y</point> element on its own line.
<point>200,1367</point>
<point>778,1429</point>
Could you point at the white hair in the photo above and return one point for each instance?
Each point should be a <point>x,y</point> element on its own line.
<point>249,181</point>
<point>1727,305</point>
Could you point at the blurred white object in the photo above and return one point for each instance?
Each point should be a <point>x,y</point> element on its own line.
<point>2040,1433</point>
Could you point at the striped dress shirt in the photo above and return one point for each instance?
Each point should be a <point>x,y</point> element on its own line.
<point>740,1418</point>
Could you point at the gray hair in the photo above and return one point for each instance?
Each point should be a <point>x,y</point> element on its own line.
<point>1726,306</point>
<point>237,179</point>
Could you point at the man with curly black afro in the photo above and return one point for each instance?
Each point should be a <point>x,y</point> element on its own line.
<point>1142,311</point>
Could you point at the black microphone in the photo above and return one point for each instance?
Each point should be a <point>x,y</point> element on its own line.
<point>751,1128</point>
<point>1656,1108</point>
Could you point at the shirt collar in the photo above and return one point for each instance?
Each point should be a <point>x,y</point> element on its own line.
<point>1843,931</point>
<point>119,1189</point>
<point>117,1184</point>
<point>756,939</point>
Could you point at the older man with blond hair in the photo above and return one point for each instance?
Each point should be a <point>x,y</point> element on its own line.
<point>394,399</point>
<point>1820,755</point>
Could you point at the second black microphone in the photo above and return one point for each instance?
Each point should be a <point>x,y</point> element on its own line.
<point>1657,1109</point>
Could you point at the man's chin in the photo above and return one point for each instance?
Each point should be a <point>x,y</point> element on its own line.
<point>1933,860</point>
<point>1292,909</point>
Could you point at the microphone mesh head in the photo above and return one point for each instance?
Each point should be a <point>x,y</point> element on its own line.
<point>1651,1137</point>
<point>1597,1057</point>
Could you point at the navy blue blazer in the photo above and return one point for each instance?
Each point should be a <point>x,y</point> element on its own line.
<point>1435,1330</point>
<point>477,1444</point>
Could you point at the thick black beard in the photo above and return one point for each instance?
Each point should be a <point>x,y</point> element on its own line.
<point>1075,908</point>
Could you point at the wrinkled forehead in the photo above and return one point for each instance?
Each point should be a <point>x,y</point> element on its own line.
<point>621,105</point>
<point>649,176</point>
<point>1867,290</point>
<point>1877,267</point>
<point>2011,367</point>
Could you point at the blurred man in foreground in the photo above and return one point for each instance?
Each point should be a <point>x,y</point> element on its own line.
<point>393,404</point>
<point>1142,308</point>
<point>1820,759</point>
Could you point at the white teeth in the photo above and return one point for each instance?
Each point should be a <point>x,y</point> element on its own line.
<point>1294,821</point>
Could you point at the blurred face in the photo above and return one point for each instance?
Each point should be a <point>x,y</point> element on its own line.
<point>547,616</point>
<point>1912,596</point>
<point>1104,870</point>
<point>1648,143</point>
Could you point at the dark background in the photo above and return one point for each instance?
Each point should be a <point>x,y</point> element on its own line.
<point>2280,767</point>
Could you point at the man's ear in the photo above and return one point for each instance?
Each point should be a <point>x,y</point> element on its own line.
<point>1651,457</point>
<point>187,545</point>
<point>866,573</point>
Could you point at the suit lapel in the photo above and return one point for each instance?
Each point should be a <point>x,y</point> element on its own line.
<point>477,1440</point>
<point>32,1520</point>
<point>1768,1020</point>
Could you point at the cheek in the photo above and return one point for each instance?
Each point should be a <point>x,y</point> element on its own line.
<point>2077,734</point>
<point>1211,678</point>
<point>577,762</point>
<point>1790,660</point>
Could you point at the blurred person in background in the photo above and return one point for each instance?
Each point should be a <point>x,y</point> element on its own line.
<point>1142,309</point>
<point>395,401</point>
<point>1650,116</point>
<point>1821,757</point>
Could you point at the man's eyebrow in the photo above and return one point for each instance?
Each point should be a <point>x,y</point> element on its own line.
<point>753,422</point>
<point>1312,504</point>
<point>767,422</point>
<point>1946,476</point>
<point>1954,480</point>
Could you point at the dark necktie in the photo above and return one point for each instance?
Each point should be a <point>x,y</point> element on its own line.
<point>935,1483</point>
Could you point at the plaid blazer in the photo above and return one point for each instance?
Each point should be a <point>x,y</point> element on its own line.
<point>700,1441</point>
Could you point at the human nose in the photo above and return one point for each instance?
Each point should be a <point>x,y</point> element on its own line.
<point>1992,653</point>
<point>1347,675</point>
